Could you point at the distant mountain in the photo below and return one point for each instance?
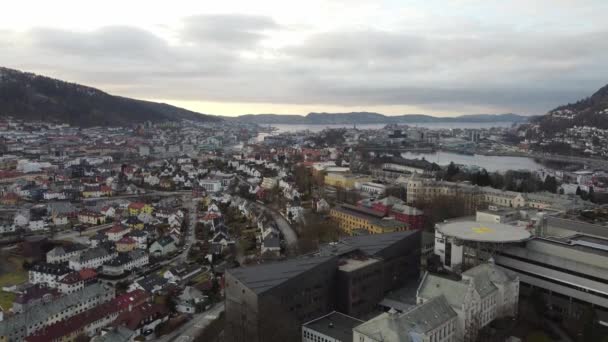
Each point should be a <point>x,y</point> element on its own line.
<point>373,118</point>
<point>591,111</point>
<point>29,96</point>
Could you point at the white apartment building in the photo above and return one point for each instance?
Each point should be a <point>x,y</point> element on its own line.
<point>477,299</point>
<point>431,321</point>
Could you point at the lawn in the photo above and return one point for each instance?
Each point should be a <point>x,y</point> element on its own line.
<point>538,336</point>
<point>7,299</point>
<point>12,271</point>
<point>12,274</point>
<point>202,277</point>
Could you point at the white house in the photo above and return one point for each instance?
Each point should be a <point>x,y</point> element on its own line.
<point>91,258</point>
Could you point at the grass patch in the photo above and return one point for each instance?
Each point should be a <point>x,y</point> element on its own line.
<point>202,277</point>
<point>13,272</point>
<point>7,299</point>
<point>538,336</point>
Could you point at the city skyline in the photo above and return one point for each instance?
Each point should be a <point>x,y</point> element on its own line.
<point>232,58</point>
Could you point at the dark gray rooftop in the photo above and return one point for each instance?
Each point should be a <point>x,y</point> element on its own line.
<point>260,278</point>
<point>335,325</point>
<point>369,244</point>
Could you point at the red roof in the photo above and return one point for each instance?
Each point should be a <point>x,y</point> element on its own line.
<point>87,273</point>
<point>11,196</point>
<point>71,278</point>
<point>79,321</point>
<point>127,240</point>
<point>210,216</point>
<point>116,228</point>
<point>137,205</point>
<point>105,188</point>
<point>73,324</point>
<point>134,318</point>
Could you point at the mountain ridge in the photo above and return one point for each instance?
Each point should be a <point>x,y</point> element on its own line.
<point>591,111</point>
<point>35,97</point>
<point>372,118</point>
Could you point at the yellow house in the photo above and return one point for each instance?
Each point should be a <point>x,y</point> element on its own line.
<point>351,218</point>
<point>90,217</point>
<point>137,208</point>
<point>345,181</point>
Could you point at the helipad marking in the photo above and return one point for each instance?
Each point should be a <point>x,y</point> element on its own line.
<point>482,230</point>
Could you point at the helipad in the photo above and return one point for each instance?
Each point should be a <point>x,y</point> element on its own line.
<point>483,232</point>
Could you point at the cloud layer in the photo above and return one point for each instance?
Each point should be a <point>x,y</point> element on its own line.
<point>450,67</point>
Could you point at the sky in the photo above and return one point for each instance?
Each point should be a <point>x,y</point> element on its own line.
<point>439,57</point>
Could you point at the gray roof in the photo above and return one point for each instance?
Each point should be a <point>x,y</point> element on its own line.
<point>394,327</point>
<point>40,313</point>
<point>335,325</point>
<point>62,250</point>
<point>92,253</point>
<point>260,278</point>
<point>117,334</point>
<point>370,244</point>
<point>435,286</point>
<point>481,281</point>
<point>495,274</point>
<point>59,208</point>
<point>577,226</point>
<point>272,241</point>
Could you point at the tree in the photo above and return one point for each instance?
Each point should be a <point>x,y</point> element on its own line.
<point>550,184</point>
<point>452,171</point>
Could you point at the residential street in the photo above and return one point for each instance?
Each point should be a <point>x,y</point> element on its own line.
<point>192,328</point>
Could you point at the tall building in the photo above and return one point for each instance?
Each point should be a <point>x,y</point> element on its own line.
<point>350,276</point>
<point>290,292</point>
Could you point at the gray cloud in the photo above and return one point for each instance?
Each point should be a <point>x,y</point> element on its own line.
<point>234,31</point>
<point>522,71</point>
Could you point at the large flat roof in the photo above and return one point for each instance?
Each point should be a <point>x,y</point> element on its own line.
<point>260,278</point>
<point>335,325</point>
<point>483,232</point>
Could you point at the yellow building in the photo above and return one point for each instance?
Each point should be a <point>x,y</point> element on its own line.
<point>351,218</point>
<point>345,181</point>
<point>90,217</point>
<point>137,208</point>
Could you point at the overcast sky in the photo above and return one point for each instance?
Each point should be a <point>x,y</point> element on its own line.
<point>442,57</point>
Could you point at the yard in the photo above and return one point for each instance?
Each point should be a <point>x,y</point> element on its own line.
<point>11,273</point>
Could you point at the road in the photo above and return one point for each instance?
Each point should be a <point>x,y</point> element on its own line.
<point>73,235</point>
<point>191,329</point>
<point>190,239</point>
<point>290,236</point>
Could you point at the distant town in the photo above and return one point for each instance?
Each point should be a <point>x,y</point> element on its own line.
<point>229,231</point>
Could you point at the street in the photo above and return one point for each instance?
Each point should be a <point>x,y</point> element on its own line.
<point>189,330</point>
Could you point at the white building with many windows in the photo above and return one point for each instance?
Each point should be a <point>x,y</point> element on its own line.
<point>478,298</point>
<point>431,321</point>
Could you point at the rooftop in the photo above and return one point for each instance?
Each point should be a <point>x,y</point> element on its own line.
<point>335,325</point>
<point>483,232</point>
<point>260,278</point>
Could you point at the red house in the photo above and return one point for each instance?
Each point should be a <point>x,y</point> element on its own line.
<point>413,217</point>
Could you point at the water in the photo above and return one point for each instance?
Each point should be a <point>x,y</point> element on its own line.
<point>490,163</point>
<point>430,125</point>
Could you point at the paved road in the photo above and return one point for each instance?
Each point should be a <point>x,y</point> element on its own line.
<point>290,236</point>
<point>190,239</point>
<point>73,235</point>
<point>288,233</point>
<point>189,330</point>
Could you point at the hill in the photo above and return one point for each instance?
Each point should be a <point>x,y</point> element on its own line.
<point>33,97</point>
<point>373,118</point>
<point>591,111</point>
